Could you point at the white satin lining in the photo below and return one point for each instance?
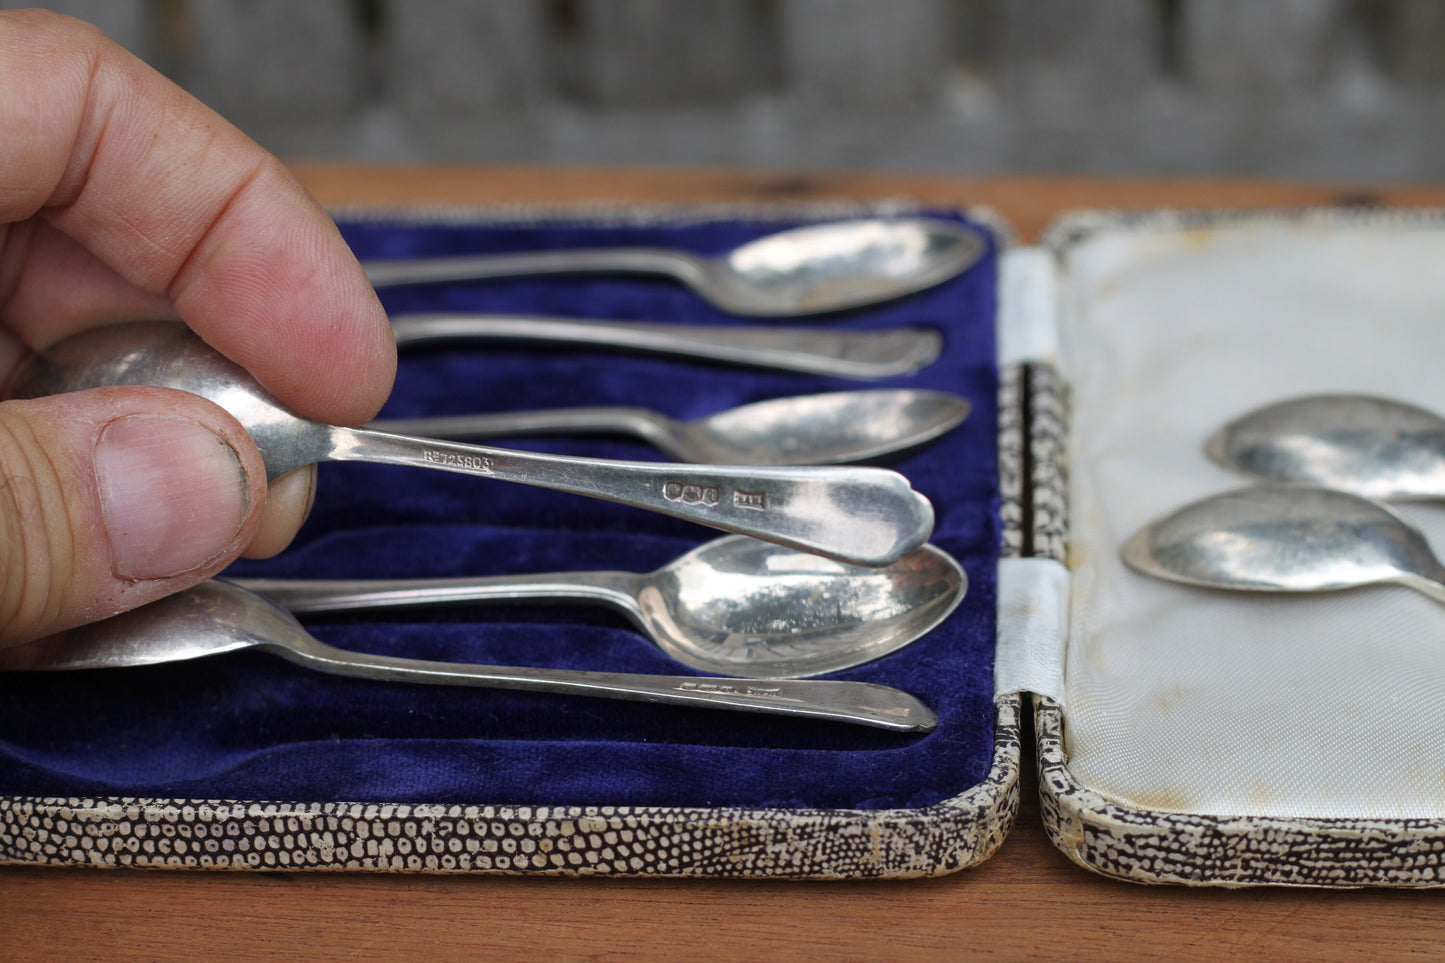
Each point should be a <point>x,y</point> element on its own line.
<point>1033,611</point>
<point>1028,307</point>
<point>1195,701</point>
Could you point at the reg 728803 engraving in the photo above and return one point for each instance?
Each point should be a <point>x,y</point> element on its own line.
<point>479,463</point>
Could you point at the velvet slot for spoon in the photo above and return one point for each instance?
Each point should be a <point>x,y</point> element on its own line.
<point>816,269</point>
<point>734,606</point>
<point>820,429</point>
<point>216,617</point>
<point>860,355</point>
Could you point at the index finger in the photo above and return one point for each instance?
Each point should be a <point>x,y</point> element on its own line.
<point>181,204</point>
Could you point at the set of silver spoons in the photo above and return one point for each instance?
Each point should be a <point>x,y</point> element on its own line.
<point>836,570</point>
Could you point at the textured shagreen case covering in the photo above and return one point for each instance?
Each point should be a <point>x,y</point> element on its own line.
<point>245,761</point>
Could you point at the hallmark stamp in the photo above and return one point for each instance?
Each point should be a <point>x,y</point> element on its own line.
<point>757,501</point>
<point>730,688</point>
<point>691,494</point>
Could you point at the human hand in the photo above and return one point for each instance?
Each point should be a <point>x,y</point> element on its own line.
<point>123,198</point>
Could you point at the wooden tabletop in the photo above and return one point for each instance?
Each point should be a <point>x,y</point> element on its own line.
<point>1027,902</point>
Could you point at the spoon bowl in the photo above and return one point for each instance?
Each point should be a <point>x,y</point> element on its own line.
<point>822,429</point>
<point>1279,538</point>
<point>1374,447</point>
<point>866,516</point>
<point>216,617</point>
<point>734,606</point>
<point>817,269</point>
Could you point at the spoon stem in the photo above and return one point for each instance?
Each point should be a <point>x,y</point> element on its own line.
<point>644,424</point>
<point>861,355</point>
<point>865,516</point>
<point>1431,586</point>
<point>335,595</point>
<point>860,703</point>
<point>677,264</point>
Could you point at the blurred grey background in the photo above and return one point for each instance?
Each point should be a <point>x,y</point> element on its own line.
<point>1313,89</point>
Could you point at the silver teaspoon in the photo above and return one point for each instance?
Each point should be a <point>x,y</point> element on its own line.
<point>216,617</point>
<point>1371,446</point>
<point>806,270</point>
<point>1285,538</point>
<point>867,516</point>
<point>862,355</point>
<point>734,606</point>
<point>821,429</point>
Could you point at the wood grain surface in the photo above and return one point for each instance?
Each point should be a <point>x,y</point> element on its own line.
<point>1028,902</point>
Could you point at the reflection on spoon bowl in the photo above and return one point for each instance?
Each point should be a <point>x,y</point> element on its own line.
<point>1371,446</point>
<point>843,264</point>
<point>1286,538</point>
<point>735,606</point>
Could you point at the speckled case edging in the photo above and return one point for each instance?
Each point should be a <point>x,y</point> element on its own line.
<point>1147,846</point>
<point>561,840</point>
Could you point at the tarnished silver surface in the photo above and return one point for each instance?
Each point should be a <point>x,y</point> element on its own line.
<point>735,606</point>
<point>1371,446</point>
<point>823,429</point>
<point>809,270</point>
<point>861,355</point>
<point>216,617</point>
<point>1286,538</point>
<point>866,516</point>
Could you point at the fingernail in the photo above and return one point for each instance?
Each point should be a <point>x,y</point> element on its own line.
<point>172,493</point>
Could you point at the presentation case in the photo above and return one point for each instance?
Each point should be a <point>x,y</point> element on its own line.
<point>1183,736</point>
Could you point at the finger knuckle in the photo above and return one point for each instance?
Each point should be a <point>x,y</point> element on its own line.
<point>36,545</point>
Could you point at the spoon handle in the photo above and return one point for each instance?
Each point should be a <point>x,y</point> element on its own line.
<point>860,703</point>
<point>473,267</point>
<point>865,516</point>
<point>861,355</point>
<point>1431,585</point>
<point>345,595</point>
<point>606,420</point>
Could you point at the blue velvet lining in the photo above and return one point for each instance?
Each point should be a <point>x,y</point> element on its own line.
<point>251,726</point>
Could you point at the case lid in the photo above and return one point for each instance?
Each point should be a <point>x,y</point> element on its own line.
<point>1186,700</point>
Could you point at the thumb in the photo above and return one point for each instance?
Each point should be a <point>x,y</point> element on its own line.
<point>114,497</point>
